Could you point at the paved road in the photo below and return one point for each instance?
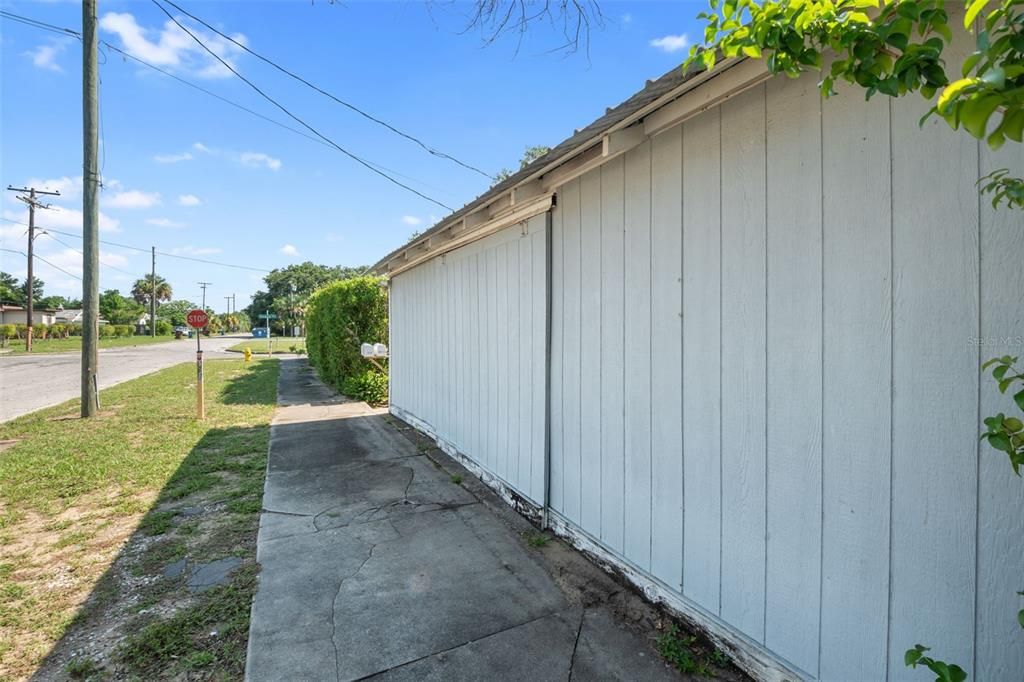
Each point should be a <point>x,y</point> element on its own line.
<point>32,382</point>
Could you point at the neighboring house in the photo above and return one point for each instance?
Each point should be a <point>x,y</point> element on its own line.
<point>69,316</point>
<point>728,338</point>
<point>16,314</point>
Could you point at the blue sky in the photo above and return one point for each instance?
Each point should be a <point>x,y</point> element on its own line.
<point>195,176</point>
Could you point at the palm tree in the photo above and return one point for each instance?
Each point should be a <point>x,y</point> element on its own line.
<point>143,289</point>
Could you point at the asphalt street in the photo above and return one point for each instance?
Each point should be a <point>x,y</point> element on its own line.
<point>32,382</point>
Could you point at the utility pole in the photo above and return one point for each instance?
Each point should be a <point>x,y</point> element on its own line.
<point>33,204</point>
<point>204,285</point>
<point>91,217</point>
<point>227,319</point>
<point>152,295</point>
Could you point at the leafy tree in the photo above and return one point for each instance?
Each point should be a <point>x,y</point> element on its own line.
<point>9,291</point>
<point>529,156</point>
<point>288,290</point>
<point>37,290</point>
<point>142,290</point>
<point>58,302</point>
<point>175,312</point>
<point>119,310</point>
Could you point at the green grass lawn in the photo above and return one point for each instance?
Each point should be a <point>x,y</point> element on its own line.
<point>280,344</point>
<point>92,511</point>
<point>74,343</point>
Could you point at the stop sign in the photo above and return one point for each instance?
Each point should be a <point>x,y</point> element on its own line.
<point>197,319</point>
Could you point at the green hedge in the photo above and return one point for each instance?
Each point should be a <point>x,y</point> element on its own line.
<point>339,317</point>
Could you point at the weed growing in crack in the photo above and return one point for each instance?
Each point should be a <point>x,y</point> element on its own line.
<point>457,479</point>
<point>537,540</point>
<point>680,650</point>
<point>82,668</point>
<point>720,658</point>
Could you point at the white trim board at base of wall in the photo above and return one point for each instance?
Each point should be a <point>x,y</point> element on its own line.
<point>748,655</point>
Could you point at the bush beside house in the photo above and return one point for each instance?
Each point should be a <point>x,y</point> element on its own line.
<point>339,317</point>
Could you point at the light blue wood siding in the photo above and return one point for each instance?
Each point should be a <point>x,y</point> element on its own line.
<point>468,352</point>
<point>767,325</point>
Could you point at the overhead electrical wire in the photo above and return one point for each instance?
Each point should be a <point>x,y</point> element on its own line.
<point>298,120</point>
<point>106,265</point>
<point>144,250</point>
<point>375,167</point>
<point>349,105</point>
<point>36,255</point>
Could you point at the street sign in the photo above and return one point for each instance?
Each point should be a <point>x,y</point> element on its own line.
<point>268,316</point>
<point>197,319</point>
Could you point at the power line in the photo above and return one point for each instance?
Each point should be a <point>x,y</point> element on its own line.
<point>298,120</point>
<point>159,253</point>
<point>67,31</point>
<point>61,241</point>
<point>426,147</point>
<point>55,267</point>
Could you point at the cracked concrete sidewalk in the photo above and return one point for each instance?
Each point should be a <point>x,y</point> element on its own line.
<point>376,565</point>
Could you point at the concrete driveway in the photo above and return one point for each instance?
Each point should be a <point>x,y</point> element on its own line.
<point>375,564</point>
<point>32,382</point>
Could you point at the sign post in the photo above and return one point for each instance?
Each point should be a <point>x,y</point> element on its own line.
<point>197,319</point>
<point>268,316</point>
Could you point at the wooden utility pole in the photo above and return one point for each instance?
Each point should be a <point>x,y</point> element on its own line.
<point>90,208</point>
<point>33,204</point>
<point>152,295</point>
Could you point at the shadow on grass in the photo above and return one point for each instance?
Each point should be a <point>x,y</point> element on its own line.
<point>148,617</point>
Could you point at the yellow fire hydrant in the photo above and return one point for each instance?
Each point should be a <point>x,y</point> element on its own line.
<point>248,354</point>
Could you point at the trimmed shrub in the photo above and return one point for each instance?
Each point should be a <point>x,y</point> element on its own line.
<point>371,386</point>
<point>58,331</point>
<point>40,331</point>
<point>339,317</point>
<point>163,328</point>
<point>74,329</point>
<point>107,331</point>
<point>122,331</point>
<point>8,332</point>
<point>20,331</point>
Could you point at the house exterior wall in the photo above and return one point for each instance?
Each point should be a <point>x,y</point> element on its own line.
<point>468,340</point>
<point>767,325</point>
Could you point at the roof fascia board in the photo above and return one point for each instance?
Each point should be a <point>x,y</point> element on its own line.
<point>414,256</point>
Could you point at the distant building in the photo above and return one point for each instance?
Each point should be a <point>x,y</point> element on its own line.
<point>16,314</point>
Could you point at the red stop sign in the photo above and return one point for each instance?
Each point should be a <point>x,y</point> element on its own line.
<point>197,319</point>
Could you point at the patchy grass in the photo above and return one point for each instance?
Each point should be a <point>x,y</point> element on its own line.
<point>93,511</point>
<point>279,344</point>
<point>74,343</point>
<point>537,539</point>
<point>457,479</point>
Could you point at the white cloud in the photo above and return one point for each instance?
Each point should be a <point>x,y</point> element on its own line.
<point>290,251</point>
<point>69,188</point>
<point>189,200</point>
<point>60,218</point>
<point>671,43</point>
<point>259,160</point>
<point>171,47</point>
<point>200,147</point>
<point>195,251</point>
<point>45,56</point>
<point>163,222</point>
<point>133,199</point>
<point>411,220</point>
<point>172,158</point>
<point>627,18</point>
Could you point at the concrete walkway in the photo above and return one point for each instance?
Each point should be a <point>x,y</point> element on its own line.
<point>376,565</point>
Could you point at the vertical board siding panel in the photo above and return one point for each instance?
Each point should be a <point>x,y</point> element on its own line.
<point>667,356</point>
<point>702,347</point>
<point>501,362</point>
<point>637,480</point>
<point>857,374</point>
<point>590,352</point>
<point>539,278</point>
<point>793,574</point>
<point>557,418</point>
<point>1001,502</point>
<point>743,369</point>
<point>490,377</point>
<point>935,383</point>
<point>458,339</point>
<point>527,358</point>
<point>571,425</point>
<point>516,338</point>
<point>612,353</point>
<point>478,353</point>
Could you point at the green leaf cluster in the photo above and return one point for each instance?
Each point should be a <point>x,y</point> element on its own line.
<point>1006,434</point>
<point>944,672</point>
<point>339,317</point>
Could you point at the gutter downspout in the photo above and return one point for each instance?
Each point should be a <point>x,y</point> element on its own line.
<point>548,224</point>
